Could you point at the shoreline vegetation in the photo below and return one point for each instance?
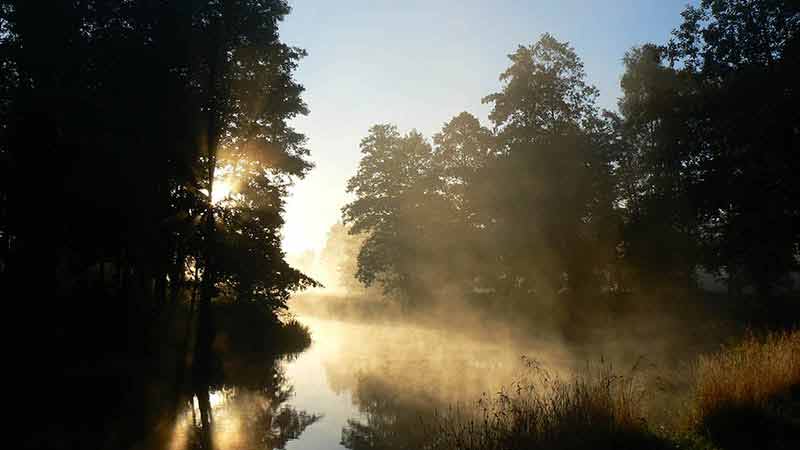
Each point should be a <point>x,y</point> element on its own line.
<point>731,389</point>
<point>745,396</point>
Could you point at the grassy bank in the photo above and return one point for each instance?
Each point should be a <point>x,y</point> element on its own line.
<point>746,396</point>
<point>597,410</point>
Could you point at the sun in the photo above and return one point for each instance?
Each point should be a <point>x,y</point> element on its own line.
<point>224,189</point>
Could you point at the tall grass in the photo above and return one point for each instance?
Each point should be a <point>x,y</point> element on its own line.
<point>599,410</point>
<point>748,395</point>
<point>750,373</point>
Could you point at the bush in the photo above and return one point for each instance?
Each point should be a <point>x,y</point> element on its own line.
<point>295,337</point>
<point>249,329</point>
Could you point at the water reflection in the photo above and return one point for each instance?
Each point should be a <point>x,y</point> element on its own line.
<point>249,411</point>
<point>391,419</point>
<point>379,385</point>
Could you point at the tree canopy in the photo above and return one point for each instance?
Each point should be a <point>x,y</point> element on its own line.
<point>557,199</point>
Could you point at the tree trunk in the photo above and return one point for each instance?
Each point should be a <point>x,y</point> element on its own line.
<point>205,321</point>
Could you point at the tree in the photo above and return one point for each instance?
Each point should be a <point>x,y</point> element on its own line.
<point>464,150</point>
<point>252,265</point>
<point>249,96</point>
<point>524,209</point>
<point>657,170</point>
<point>743,55</point>
<point>394,189</point>
<point>340,259</point>
<point>554,167</point>
<point>113,124</point>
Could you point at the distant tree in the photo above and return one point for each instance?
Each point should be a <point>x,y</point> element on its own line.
<point>340,256</point>
<point>526,208</point>
<point>462,151</point>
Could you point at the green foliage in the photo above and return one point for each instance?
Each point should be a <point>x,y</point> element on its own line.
<point>525,208</point>
<point>656,171</point>
<point>251,263</point>
<point>556,200</point>
<point>393,187</point>
<point>554,197</point>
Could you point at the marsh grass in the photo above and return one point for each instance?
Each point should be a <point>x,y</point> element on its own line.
<point>597,410</point>
<point>748,395</point>
<point>752,372</point>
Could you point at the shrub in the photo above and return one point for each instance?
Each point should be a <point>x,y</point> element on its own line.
<point>295,337</point>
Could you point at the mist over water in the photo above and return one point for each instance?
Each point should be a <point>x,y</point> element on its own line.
<point>379,380</point>
<point>358,381</point>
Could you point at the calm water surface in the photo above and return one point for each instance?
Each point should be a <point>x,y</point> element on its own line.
<point>359,386</point>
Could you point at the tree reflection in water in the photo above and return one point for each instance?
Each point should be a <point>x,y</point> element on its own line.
<point>392,418</point>
<point>249,411</point>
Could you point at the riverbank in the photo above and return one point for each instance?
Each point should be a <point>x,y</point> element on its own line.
<point>660,354</point>
<point>746,396</point>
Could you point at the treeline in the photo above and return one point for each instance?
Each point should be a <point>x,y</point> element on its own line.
<point>119,123</point>
<point>555,198</point>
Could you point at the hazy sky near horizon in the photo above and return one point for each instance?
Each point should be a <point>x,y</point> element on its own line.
<point>417,64</point>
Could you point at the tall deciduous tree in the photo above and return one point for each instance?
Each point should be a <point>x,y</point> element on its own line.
<point>657,170</point>
<point>124,110</point>
<point>554,169</point>
<point>394,189</point>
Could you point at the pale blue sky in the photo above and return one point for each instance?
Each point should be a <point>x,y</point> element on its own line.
<point>418,63</point>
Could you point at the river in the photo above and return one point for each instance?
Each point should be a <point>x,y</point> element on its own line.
<point>358,386</point>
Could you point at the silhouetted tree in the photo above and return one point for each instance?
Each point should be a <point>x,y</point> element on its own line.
<point>744,56</point>
<point>555,196</point>
<point>656,172</point>
<point>526,209</point>
<point>114,116</point>
<point>709,135</point>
